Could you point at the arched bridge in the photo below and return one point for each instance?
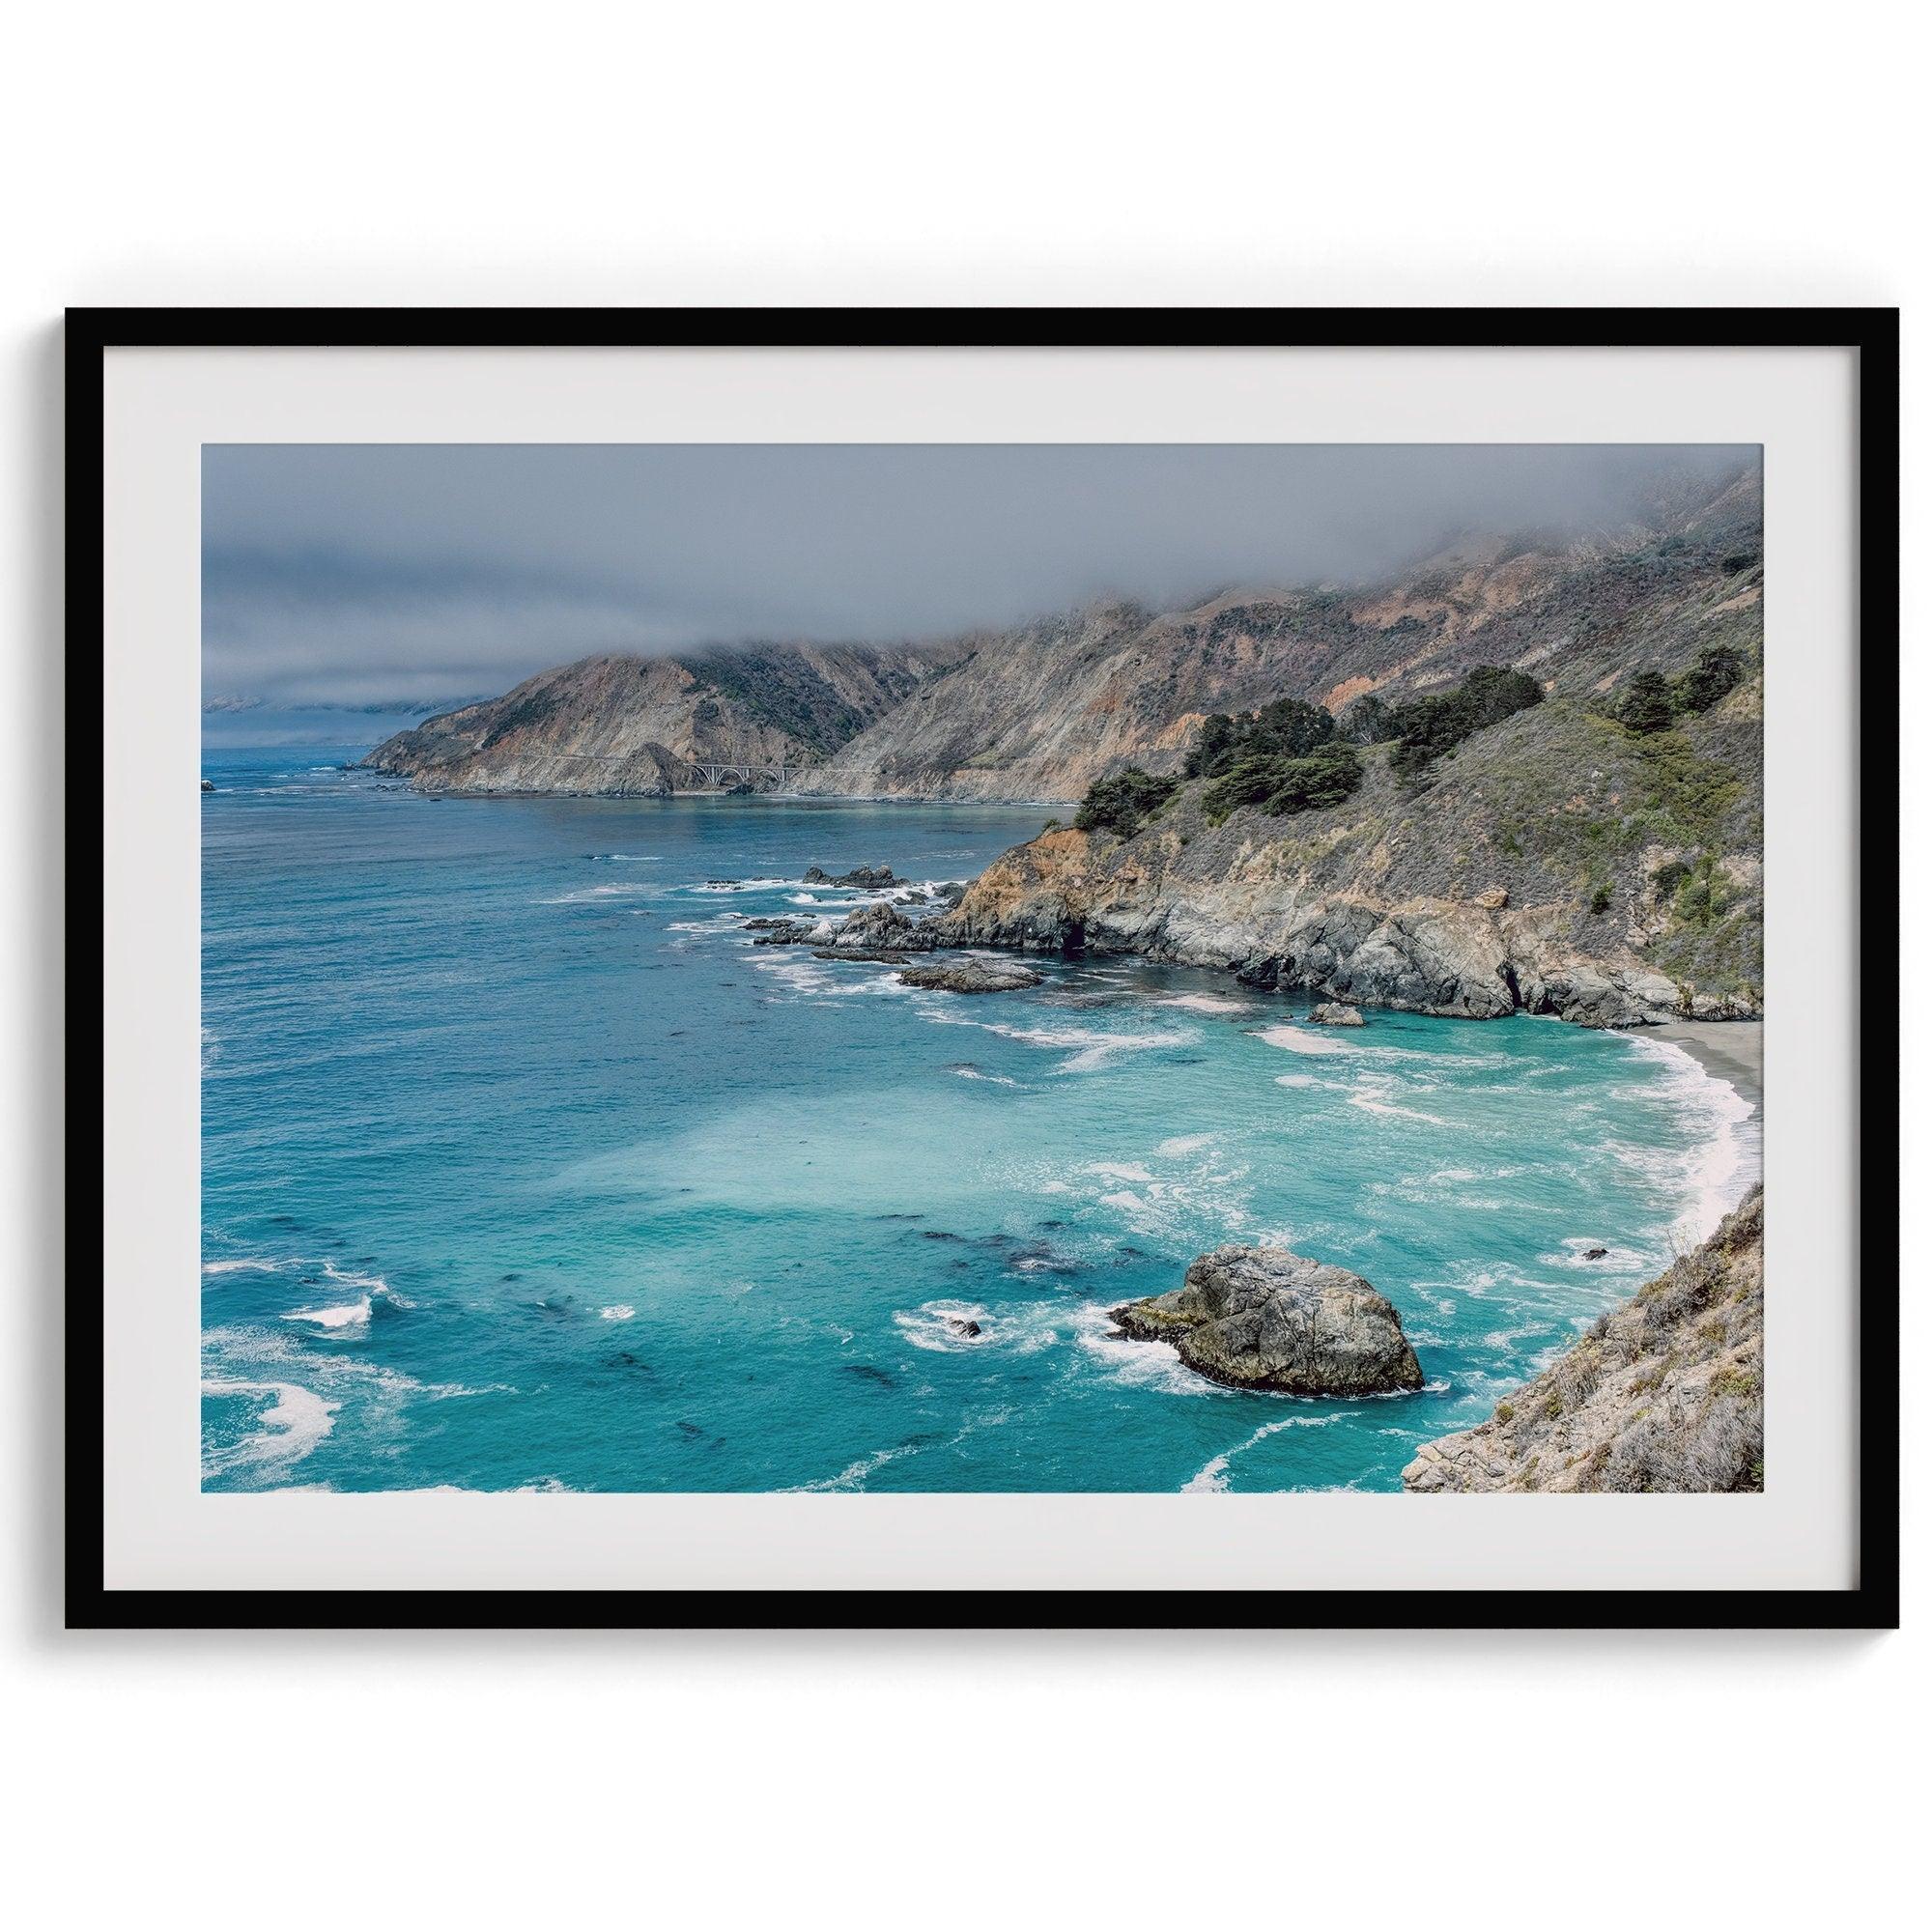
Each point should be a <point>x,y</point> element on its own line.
<point>741,773</point>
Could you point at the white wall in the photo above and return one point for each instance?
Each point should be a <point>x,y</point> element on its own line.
<point>207,153</point>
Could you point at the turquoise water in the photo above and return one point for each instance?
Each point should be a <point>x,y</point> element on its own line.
<point>522,1168</point>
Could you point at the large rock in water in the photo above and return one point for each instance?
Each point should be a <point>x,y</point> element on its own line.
<point>969,975</point>
<point>862,876</point>
<point>1267,1318</point>
<point>882,927</point>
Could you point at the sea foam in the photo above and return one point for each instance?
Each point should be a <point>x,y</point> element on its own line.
<point>1211,1479</point>
<point>1299,1040</point>
<point>295,1420</point>
<point>1724,1130</point>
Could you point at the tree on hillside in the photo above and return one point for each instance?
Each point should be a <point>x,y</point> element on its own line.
<point>1124,802</point>
<point>1368,721</point>
<point>1280,785</point>
<point>1646,707</point>
<point>1287,728</point>
<point>1718,672</point>
<point>1427,728</point>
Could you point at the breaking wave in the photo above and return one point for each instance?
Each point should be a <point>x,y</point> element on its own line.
<point>1211,1478</point>
<point>294,1421</point>
<point>1724,1128</point>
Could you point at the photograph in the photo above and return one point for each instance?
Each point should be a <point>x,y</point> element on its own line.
<point>938,968</point>
<point>985,901</point>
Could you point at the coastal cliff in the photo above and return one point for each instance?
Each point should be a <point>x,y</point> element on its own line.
<point>1664,1393</point>
<point>621,727</point>
<point>1556,863</point>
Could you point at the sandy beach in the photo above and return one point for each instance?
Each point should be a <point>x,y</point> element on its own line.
<point>1731,1049</point>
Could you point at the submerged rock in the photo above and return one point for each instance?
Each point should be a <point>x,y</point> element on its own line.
<point>1268,1318</point>
<point>207,785</point>
<point>969,975</point>
<point>1331,1014</point>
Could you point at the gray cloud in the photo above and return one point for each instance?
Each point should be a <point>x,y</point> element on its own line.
<point>361,574</point>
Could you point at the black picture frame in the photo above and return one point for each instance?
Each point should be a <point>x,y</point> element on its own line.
<point>1873,334</point>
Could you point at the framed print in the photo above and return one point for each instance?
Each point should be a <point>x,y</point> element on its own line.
<point>985,967</point>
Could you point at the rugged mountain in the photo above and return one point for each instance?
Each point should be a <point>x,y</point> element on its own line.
<point>643,726</point>
<point>1664,1393</point>
<point>1042,712</point>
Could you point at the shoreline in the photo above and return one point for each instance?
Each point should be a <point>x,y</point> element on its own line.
<point>1728,1050</point>
<point>1731,1051</point>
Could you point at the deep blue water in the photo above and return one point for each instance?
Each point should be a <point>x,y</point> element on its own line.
<point>521,1167</point>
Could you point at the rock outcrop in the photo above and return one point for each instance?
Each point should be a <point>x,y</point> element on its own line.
<point>865,878</point>
<point>1329,1013</point>
<point>792,931</point>
<point>1664,1393</point>
<point>1267,1319</point>
<point>969,975</point>
<point>882,926</point>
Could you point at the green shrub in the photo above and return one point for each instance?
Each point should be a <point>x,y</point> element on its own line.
<point>1646,707</point>
<point>1287,728</point>
<point>1282,787</point>
<point>1668,876</point>
<point>1703,894</point>
<point>1430,726</point>
<point>1718,672</point>
<point>1600,900</point>
<point>1324,778</point>
<point>1368,721</point>
<point>1124,802</point>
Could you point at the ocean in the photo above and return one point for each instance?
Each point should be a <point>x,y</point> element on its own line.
<point>522,1168</point>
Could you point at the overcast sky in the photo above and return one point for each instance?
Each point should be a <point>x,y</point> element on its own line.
<point>366,574</point>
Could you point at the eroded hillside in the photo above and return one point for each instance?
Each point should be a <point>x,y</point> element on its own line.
<point>1042,712</point>
<point>645,727</point>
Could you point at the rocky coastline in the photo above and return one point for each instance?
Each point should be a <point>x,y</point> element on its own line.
<point>1423,903</point>
<point>1664,1393</point>
<point>1066,895</point>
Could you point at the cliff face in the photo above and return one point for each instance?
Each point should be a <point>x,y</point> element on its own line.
<point>1555,862</point>
<point>1666,1393</point>
<point>1040,712</point>
<point>643,726</point>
